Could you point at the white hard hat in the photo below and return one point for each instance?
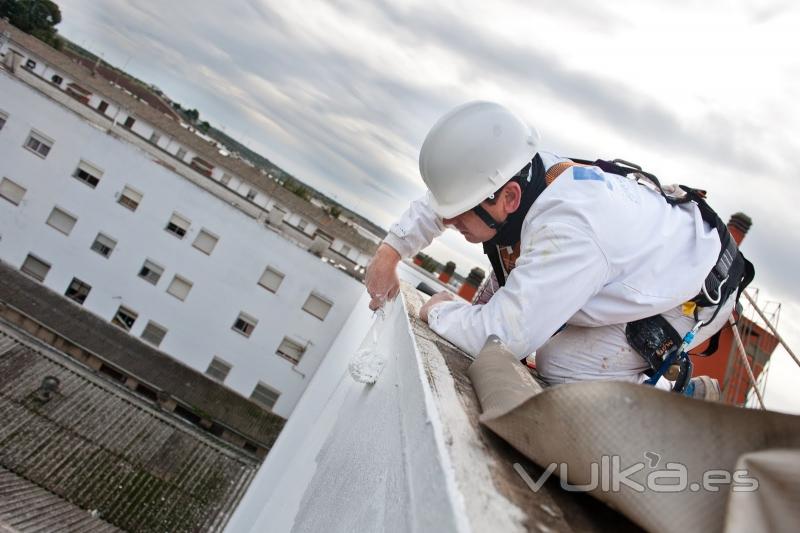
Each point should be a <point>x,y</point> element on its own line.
<point>471,152</point>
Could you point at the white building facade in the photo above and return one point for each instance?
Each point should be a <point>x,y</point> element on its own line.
<point>191,258</point>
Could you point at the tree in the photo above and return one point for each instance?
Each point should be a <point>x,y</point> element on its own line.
<point>204,126</point>
<point>193,115</point>
<point>37,17</point>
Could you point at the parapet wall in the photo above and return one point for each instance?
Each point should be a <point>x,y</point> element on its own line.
<point>405,454</point>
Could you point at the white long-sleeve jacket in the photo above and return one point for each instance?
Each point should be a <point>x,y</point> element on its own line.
<point>596,249</point>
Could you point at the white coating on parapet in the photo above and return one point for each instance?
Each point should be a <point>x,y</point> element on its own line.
<point>355,457</point>
<point>398,455</point>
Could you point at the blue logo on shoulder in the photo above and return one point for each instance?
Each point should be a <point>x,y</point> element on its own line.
<point>587,173</point>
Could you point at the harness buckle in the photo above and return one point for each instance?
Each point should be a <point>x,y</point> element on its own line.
<point>714,301</point>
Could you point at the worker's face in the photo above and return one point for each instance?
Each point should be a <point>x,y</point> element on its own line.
<point>473,228</point>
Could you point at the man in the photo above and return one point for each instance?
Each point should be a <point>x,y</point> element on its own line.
<point>571,245</point>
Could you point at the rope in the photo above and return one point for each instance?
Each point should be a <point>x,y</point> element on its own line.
<point>745,361</point>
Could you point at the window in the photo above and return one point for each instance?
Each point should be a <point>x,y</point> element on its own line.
<point>205,241</point>
<point>344,250</point>
<point>88,174</point>
<point>290,350</point>
<point>78,290</point>
<point>180,154</point>
<point>38,144</point>
<point>179,287</point>
<point>154,333</point>
<point>218,369</point>
<point>178,225</point>
<point>265,395</point>
<point>226,179</point>
<point>302,224</point>
<point>30,64</point>
<point>129,122</point>
<point>124,318</point>
<point>155,137</point>
<point>61,220</point>
<point>11,191</point>
<point>35,267</point>
<point>130,198</point>
<point>271,279</point>
<point>3,119</point>
<point>58,80</point>
<point>251,194</point>
<point>103,245</point>
<point>245,324</point>
<point>151,272</point>
<point>317,306</point>
<point>102,106</point>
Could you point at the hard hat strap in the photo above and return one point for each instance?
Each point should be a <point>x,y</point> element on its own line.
<point>523,177</point>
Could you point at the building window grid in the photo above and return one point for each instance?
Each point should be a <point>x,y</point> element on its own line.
<point>251,194</point>
<point>125,318</point>
<point>317,306</point>
<point>265,395</point>
<point>12,191</point>
<point>87,174</point>
<point>178,225</point>
<point>154,333</point>
<point>38,144</point>
<point>130,198</point>
<point>181,154</point>
<point>103,245</point>
<point>244,324</point>
<point>61,221</point>
<point>151,272</point>
<point>78,290</point>
<point>290,350</point>
<point>179,287</point>
<point>205,241</point>
<point>35,267</point>
<point>271,279</point>
<point>218,369</point>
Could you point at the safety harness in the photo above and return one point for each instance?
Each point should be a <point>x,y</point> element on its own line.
<point>653,337</point>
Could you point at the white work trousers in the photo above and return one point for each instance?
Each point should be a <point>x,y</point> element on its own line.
<point>581,353</point>
<point>603,353</point>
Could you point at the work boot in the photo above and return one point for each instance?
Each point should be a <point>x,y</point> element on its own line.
<point>704,388</point>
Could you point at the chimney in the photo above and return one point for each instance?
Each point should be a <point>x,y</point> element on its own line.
<point>738,225</point>
<point>447,273</point>
<point>470,286</point>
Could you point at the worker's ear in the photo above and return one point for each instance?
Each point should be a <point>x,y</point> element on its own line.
<point>511,197</point>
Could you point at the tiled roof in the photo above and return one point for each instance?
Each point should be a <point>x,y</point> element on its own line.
<point>206,150</point>
<point>25,506</point>
<point>98,446</point>
<point>149,365</point>
<point>141,92</point>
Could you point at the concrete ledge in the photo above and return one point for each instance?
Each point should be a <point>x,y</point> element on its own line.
<point>404,454</point>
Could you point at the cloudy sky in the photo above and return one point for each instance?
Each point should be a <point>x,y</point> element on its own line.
<point>342,93</point>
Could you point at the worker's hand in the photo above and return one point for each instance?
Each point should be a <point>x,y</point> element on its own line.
<point>437,298</point>
<point>381,279</point>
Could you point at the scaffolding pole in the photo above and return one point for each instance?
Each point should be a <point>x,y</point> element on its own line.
<point>771,327</point>
<point>745,362</point>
